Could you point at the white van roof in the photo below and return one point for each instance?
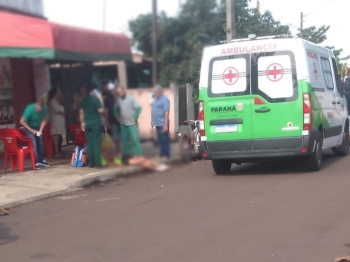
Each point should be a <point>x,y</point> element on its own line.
<point>261,44</point>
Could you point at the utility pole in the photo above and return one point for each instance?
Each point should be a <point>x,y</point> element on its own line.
<point>301,24</point>
<point>230,20</point>
<point>258,7</point>
<point>154,43</point>
<point>104,15</point>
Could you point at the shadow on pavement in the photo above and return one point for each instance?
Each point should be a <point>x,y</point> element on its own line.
<point>5,235</point>
<point>283,166</point>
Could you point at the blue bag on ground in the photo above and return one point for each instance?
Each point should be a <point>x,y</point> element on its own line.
<point>79,157</point>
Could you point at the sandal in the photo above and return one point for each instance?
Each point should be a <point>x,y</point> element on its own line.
<point>59,156</point>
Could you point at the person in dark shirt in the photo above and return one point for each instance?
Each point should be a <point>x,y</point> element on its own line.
<point>113,126</point>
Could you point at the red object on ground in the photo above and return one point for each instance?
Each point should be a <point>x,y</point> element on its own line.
<point>48,141</point>
<point>16,147</point>
<point>78,133</point>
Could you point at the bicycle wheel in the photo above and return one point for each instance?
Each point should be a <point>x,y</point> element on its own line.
<point>185,149</point>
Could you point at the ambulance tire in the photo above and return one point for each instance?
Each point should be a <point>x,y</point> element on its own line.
<point>343,149</point>
<point>314,161</point>
<point>221,167</point>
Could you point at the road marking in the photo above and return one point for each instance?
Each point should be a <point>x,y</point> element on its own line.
<point>108,199</point>
<point>71,197</point>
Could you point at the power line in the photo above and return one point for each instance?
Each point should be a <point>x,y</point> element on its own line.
<point>154,41</point>
<point>321,7</point>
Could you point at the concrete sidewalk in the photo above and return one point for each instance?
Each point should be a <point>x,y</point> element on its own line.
<point>19,188</point>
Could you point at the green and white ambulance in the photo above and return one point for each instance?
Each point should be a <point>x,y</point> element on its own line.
<point>268,97</point>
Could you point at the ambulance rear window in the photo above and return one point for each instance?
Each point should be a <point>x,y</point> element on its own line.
<point>228,76</point>
<point>274,76</point>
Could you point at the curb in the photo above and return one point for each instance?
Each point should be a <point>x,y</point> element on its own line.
<point>104,176</point>
<point>39,197</point>
<point>85,182</point>
<point>109,175</point>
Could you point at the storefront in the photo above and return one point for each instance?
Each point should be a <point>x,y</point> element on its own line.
<point>30,49</point>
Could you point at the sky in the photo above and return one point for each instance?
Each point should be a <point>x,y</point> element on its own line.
<point>89,14</point>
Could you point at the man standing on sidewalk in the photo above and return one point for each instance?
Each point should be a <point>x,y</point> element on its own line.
<point>91,112</point>
<point>34,120</point>
<point>160,120</point>
<point>127,115</point>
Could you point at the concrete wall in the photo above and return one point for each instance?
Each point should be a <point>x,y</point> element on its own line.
<point>143,96</point>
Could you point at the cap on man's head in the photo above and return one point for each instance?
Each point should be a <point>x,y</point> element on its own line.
<point>111,86</point>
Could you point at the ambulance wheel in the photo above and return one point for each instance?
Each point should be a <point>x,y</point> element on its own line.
<point>314,161</point>
<point>343,149</point>
<point>221,167</point>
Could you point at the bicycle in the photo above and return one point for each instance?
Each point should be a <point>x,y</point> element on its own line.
<point>189,142</point>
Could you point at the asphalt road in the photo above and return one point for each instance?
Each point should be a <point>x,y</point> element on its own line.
<point>261,212</point>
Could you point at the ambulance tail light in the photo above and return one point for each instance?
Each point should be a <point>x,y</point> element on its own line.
<point>258,101</point>
<point>307,112</point>
<point>201,119</point>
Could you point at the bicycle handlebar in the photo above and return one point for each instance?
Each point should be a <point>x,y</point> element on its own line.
<point>191,121</point>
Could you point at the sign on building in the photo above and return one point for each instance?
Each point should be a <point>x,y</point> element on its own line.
<point>33,7</point>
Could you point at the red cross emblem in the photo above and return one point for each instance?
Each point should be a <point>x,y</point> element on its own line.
<point>275,72</point>
<point>315,71</point>
<point>230,76</point>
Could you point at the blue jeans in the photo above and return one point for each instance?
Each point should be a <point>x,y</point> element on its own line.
<point>163,141</point>
<point>37,145</point>
<point>115,133</point>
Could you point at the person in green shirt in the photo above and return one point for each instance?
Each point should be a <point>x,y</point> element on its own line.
<point>34,120</point>
<point>91,110</point>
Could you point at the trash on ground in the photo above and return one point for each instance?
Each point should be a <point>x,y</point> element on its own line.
<point>4,212</point>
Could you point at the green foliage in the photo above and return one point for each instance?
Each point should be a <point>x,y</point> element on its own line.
<point>315,35</point>
<point>200,23</point>
<point>337,53</point>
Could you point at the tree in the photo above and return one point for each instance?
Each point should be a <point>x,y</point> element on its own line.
<point>315,35</point>
<point>200,23</point>
<point>338,58</point>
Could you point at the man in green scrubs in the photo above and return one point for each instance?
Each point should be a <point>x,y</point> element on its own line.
<point>129,113</point>
<point>91,110</point>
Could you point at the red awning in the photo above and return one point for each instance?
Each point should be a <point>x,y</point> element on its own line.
<point>24,36</point>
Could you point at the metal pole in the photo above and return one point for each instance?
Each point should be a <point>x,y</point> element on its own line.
<point>301,24</point>
<point>230,20</point>
<point>104,15</point>
<point>154,43</point>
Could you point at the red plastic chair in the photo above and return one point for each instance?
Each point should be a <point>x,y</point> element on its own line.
<point>48,141</point>
<point>16,147</point>
<point>78,134</point>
